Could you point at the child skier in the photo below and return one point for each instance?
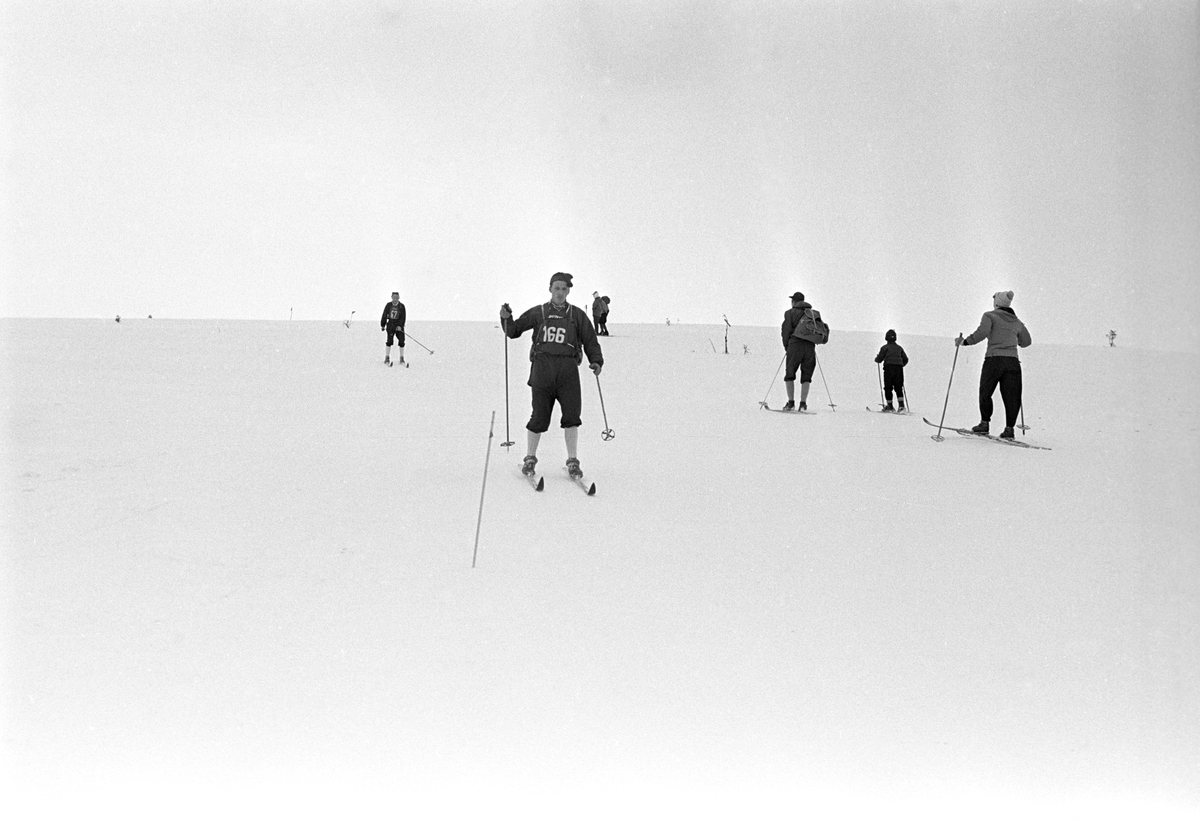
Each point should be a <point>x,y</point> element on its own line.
<point>894,359</point>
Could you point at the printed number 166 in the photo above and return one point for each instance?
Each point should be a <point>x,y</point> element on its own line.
<point>554,334</point>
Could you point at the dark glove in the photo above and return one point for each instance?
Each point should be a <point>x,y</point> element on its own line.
<point>595,366</point>
<point>505,311</point>
<point>958,341</point>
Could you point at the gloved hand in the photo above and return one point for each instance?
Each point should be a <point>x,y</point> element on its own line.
<point>595,366</point>
<point>958,341</point>
<point>505,311</point>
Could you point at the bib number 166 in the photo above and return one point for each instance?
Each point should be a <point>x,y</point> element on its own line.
<point>554,334</point>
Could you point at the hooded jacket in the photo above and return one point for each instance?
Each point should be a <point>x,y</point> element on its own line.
<point>1003,331</point>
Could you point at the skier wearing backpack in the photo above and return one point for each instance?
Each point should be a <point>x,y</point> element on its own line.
<point>1001,365</point>
<point>800,345</point>
<point>562,334</point>
<point>894,359</point>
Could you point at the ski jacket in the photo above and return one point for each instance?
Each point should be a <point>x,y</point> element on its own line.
<point>598,307</point>
<point>791,318</point>
<point>892,354</point>
<point>393,315</point>
<point>564,331</point>
<point>1003,331</point>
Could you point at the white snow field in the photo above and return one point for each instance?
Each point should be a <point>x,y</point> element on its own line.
<point>238,581</point>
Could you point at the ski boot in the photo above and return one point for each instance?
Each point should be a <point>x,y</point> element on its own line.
<point>982,427</point>
<point>803,406</point>
<point>573,469</point>
<point>387,360</point>
<point>901,408</point>
<point>529,466</point>
<point>888,408</point>
<point>790,405</point>
<point>1007,433</point>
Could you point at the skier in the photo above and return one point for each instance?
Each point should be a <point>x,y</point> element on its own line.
<point>894,359</point>
<point>562,335</point>
<point>392,321</point>
<point>1001,365</point>
<point>598,309</point>
<point>604,316</point>
<point>801,353</point>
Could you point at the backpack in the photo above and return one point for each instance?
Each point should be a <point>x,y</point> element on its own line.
<point>812,328</point>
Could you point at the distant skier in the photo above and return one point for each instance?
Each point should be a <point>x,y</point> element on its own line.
<point>597,311</point>
<point>894,359</point>
<point>562,335</point>
<point>604,316</point>
<point>392,321</point>
<point>801,352</point>
<point>1001,365</point>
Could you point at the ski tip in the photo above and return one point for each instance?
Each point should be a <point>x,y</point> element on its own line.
<point>541,482</point>
<point>592,489</point>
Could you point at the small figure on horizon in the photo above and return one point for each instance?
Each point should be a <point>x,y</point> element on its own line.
<point>1001,363</point>
<point>598,312</point>
<point>801,347</point>
<point>118,317</point>
<point>894,359</point>
<point>392,321</point>
<point>603,329</point>
<point>562,335</point>
<point>1112,336</point>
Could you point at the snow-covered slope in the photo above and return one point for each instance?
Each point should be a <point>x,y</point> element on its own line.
<point>238,576</point>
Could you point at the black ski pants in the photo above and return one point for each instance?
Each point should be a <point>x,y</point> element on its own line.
<point>1004,371</point>
<point>893,380</point>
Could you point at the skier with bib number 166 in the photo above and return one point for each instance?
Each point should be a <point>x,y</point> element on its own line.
<point>562,336</point>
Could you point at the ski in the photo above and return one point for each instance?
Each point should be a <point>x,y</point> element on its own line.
<point>891,412</point>
<point>584,485</point>
<point>536,482</point>
<point>782,410</point>
<point>967,432</point>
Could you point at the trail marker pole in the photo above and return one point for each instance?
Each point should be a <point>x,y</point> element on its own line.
<point>479,521</point>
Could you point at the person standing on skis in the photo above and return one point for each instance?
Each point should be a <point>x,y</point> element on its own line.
<point>599,309</point>
<point>562,335</point>
<point>801,353</point>
<point>1004,333</point>
<point>392,321</point>
<point>894,359</point>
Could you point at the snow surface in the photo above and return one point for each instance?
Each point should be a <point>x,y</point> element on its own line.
<point>238,579</point>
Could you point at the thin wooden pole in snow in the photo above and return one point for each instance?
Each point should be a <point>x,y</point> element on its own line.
<point>479,522</point>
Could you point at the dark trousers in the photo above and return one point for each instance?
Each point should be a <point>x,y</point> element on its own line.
<point>554,378</point>
<point>893,380</point>
<point>1004,371</point>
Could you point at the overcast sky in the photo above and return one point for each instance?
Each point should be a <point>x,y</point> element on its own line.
<point>896,161</point>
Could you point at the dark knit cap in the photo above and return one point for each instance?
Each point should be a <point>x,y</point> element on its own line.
<point>560,276</point>
<point>890,336</point>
